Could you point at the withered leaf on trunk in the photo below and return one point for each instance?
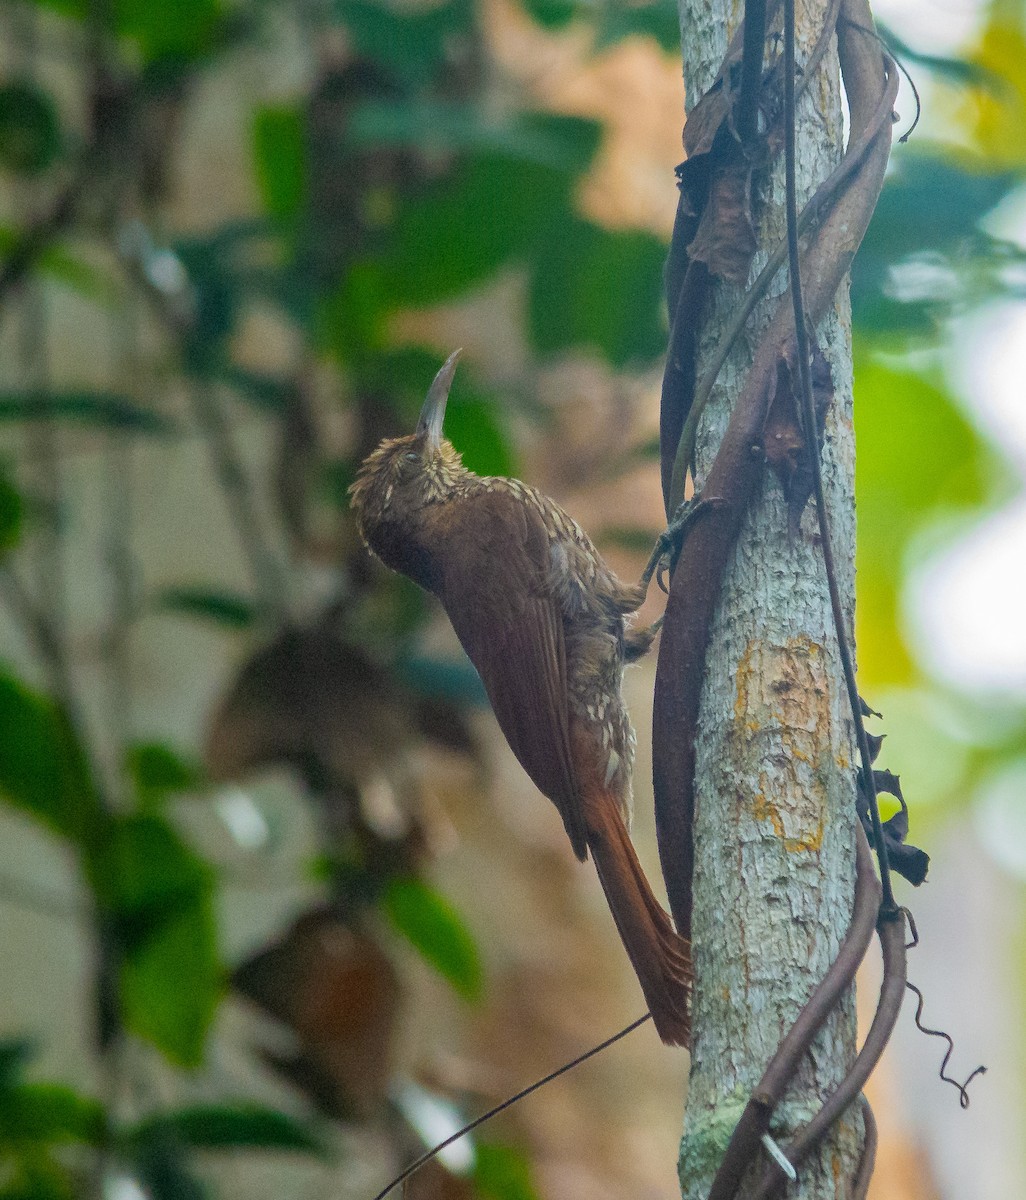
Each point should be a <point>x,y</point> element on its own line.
<point>785,439</point>
<point>908,861</point>
<point>705,120</point>
<point>707,142</point>
<point>716,177</point>
<point>725,240</point>
<point>887,781</point>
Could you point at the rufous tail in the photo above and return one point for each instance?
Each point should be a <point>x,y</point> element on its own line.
<point>660,956</point>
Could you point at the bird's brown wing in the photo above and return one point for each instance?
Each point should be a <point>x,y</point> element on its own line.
<point>497,594</point>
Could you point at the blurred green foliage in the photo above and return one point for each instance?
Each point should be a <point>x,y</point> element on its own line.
<point>388,185</point>
<point>30,135</point>
<point>39,1122</point>
<point>503,1173</point>
<point>932,256</point>
<point>12,514</point>
<point>433,927</point>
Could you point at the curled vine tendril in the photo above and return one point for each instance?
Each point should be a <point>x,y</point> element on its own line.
<point>963,1094</point>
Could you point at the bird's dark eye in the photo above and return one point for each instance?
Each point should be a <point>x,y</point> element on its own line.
<point>411,456</point>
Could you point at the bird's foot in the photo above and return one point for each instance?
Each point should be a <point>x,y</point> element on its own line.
<point>669,543</point>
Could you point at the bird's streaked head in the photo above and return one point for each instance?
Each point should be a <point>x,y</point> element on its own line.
<point>405,474</point>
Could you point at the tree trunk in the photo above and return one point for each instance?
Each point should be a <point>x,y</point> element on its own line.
<point>775,785</point>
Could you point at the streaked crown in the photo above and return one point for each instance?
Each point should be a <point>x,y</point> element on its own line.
<point>407,473</point>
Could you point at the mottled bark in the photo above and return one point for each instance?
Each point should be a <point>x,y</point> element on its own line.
<point>775,787</point>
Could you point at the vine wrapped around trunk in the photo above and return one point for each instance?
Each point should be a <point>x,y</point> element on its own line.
<point>753,746</point>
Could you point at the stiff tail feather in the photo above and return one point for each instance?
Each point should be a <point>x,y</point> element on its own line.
<point>660,956</point>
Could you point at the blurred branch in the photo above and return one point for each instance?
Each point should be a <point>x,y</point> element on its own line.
<point>172,301</point>
<point>123,604</point>
<point>38,236</point>
<point>40,631</point>
<point>269,575</point>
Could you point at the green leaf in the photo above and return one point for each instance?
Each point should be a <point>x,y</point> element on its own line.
<point>658,20</point>
<point>215,270</point>
<point>503,1173</point>
<point>954,70</point>
<point>85,408</point>
<point>43,770</point>
<point>434,928</point>
<point>458,234</point>
<point>446,679</point>
<point>185,29</point>
<point>599,288</point>
<point>353,319</point>
<point>143,871</point>
<point>157,771</point>
<point>267,393</point>
<point>159,893</point>
<point>85,278</point>
<point>164,1171</point>
<point>30,132</point>
<point>66,267</point>
<point>229,1126</point>
<point>39,1177</point>
<point>553,14</point>
<point>15,1054</point>
<point>48,1113</point>
<point>228,609</point>
<point>994,118</point>
<point>948,195</point>
<point>542,139</point>
<point>612,23</point>
<point>12,513</point>
<point>928,217</point>
<point>413,44</point>
<point>280,158</point>
<point>172,981</point>
<point>471,424</point>
<point>936,467</point>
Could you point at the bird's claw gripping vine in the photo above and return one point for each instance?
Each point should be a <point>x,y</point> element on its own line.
<point>669,543</point>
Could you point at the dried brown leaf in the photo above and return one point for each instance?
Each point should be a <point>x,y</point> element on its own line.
<point>725,240</point>
<point>337,990</point>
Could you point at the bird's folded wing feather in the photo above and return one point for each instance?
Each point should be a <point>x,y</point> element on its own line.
<point>497,591</point>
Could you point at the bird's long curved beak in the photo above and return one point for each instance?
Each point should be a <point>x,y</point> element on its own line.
<point>432,415</point>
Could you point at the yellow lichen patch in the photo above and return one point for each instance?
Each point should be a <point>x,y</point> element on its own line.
<point>782,685</point>
<point>744,682</point>
<point>783,696</point>
<point>796,674</point>
<point>809,842</point>
<point>766,810</point>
